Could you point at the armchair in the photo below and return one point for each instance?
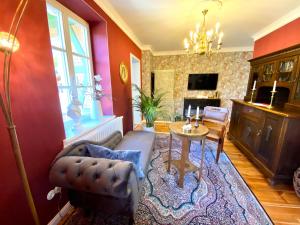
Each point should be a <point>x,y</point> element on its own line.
<point>216,119</point>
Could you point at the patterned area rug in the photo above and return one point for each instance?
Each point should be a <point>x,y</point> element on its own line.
<point>221,197</point>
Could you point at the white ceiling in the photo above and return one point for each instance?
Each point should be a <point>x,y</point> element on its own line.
<point>163,24</point>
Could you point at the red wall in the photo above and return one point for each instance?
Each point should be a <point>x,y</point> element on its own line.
<point>37,116</point>
<point>36,106</point>
<point>283,37</point>
<point>120,47</point>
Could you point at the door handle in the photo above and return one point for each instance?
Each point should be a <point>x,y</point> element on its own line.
<point>269,132</point>
<point>258,132</point>
<point>248,131</point>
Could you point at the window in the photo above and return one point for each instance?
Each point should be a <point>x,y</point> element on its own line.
<point>71,50</point>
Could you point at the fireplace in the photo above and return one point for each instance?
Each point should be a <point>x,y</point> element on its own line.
<point>201,102</point>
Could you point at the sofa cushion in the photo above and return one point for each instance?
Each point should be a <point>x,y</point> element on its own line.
<point>134,156</point>
<point>139,140</point>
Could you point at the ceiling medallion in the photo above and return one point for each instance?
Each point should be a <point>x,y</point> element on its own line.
<point>203,41</point>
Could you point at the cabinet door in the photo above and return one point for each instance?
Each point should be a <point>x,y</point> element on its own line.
<point>268,73</point>
<point>234,121</point>
<point>249,133</point>
<point>287,69</point>
<point>297,92</point>
<point>269,139</point>
<point>255,75</point>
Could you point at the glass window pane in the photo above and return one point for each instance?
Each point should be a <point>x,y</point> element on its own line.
<point>60,65</point>
<point>85,96</point>
<point>65,100</point>
<point>82,71</point>
<point>78,34</point>
<point>286,70</point>
<point>55,27</point>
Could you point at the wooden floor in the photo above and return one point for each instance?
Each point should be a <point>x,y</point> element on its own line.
<point>280,202</point>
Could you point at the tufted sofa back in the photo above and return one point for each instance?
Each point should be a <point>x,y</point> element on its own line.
<point>95,175</point>
<point>79,148</point>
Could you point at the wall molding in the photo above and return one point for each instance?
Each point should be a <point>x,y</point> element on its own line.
<point>115,16</point>
<point>63,212</point>
<point>182,52</point>
<point>292,15</point>
<point>147,48</point>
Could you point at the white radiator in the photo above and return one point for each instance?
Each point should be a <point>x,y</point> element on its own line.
<point>100,132</point>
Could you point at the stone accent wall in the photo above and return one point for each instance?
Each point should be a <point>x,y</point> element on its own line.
<point>233,69</point>
<point>146,71</point>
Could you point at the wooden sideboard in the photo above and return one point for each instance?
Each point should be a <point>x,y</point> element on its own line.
<point>271,137</point>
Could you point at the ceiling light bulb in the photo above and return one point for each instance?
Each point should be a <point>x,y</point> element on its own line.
<point>6,42</point>
<point>220,37</point>
<point>209,34</point>
<point>186,43</point>
<point>191,34</point>
<point>195,36</point>
<point>218,25</point>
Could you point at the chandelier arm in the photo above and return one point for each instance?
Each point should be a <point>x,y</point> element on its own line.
<point>15,31</point>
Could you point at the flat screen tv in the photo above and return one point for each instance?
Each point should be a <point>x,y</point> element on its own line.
<point>204,81</point>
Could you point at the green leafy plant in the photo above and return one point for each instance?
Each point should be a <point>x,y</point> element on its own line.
<point>149,106</point>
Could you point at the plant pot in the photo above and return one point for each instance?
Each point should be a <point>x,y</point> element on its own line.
<point>148,129</point>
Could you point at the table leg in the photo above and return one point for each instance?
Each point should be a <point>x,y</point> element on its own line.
<point>170,153</point>
<point>184,157</point>
<point>202,158</point>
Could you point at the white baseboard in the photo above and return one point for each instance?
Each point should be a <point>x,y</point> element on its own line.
<point>67,207</point>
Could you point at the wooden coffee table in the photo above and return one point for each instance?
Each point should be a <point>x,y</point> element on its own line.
<point>184,165</point>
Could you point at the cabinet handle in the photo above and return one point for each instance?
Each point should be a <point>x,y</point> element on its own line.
<point>250,110</point>
<point>248,131</point>
<point>258,132</point>
<point>269,132</point>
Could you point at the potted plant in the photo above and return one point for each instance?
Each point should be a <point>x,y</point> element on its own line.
<point>150,107</point>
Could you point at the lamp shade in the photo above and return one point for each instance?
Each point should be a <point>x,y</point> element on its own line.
<point>7,43</point>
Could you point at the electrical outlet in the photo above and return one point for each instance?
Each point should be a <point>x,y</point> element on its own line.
<point>53,192</point>
<point>50,195</point>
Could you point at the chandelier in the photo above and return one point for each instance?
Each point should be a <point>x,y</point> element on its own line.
<point>202,41</point>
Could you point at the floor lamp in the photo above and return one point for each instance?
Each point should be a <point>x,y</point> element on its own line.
<point>8,45</point>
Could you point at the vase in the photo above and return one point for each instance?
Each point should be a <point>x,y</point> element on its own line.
<point>96,111</point>
<point>148,129</point>
<point>74,112</point>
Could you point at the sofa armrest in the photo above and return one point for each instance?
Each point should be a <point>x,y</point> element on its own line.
<point>94,175</point>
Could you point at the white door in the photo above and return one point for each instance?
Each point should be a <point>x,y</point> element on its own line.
<point>164,83</point>
<point>135,68</point>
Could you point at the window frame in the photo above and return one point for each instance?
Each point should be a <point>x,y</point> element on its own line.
<point>66,49</point>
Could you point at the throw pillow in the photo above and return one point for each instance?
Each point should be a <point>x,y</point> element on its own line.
<point>134,156</point>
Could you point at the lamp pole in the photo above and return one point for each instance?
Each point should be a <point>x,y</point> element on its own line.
<point>8,45</point>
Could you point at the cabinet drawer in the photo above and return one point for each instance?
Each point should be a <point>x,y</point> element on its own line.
<point>252,112</point>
